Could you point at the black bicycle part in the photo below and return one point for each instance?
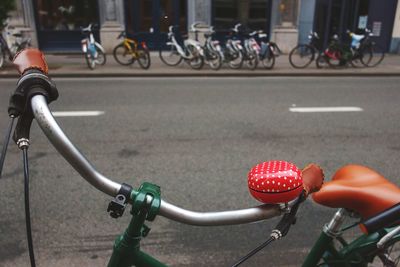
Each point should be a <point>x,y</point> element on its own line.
<point>281,229</point>
<point>117,206</point>
<point>386,218</point>
<point>31,84</point>
<point>27,207</point>
<point>5,143</point>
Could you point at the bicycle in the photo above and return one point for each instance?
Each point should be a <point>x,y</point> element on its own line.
<point>212,50</point>
<point>17,44</point>
<point>356,190</point>
<point>250,47</point>
<point>372,54</point>
<point>302,55</point>
<point>128,51</point>
<point>232,54</point>
<point>191,51</point>
<point>93,51</point>
<point>267,51</point>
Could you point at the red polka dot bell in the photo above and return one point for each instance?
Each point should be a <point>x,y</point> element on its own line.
<point>275,181</point>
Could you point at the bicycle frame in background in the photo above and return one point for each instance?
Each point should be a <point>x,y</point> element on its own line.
<point>93,52</point>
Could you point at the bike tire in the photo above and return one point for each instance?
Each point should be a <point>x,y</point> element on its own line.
<point>377,56</point>
<point>321,61</point>
<point>2,57</point>
<point>301,56</point>
<point>144,59</point>
<point>197,61</point>
<point>90,61</point>
<point>237,59</point>
<point>170,56</point>
<point>122,55</point>
<point>214,59</point>
<point>268,61</point>
<point>101,57</point>
<point>251,60</point>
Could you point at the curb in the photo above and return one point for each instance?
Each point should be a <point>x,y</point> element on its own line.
<point>211,74</point>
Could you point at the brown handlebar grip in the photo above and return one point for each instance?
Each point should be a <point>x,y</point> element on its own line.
<point>30,58</point>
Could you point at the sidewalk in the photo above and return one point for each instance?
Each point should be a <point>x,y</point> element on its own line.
<point>75,66</point>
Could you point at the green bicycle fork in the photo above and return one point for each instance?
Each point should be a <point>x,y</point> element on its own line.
<point>126,250</point>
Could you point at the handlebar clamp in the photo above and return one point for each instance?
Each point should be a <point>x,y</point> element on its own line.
<point>117,206</point>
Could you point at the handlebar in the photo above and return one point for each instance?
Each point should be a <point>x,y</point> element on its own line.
<point>33,59</point>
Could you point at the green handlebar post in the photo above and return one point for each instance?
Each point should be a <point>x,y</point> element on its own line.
<point>126,250</point>
<point>317,250</point>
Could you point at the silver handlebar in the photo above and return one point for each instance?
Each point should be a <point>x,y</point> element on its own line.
<point>65,147</point>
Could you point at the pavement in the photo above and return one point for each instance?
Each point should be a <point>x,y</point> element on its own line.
<point>74,65</point>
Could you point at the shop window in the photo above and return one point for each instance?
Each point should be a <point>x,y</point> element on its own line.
<point>62,15</point>
<point>288,10</point>
<point>253,14</point>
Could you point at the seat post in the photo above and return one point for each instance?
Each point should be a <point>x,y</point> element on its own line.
<point>333,227</point>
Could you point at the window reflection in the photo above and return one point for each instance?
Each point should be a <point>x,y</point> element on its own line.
<point>62,15</point>
<point>251,13</point>
<point>288,12</point>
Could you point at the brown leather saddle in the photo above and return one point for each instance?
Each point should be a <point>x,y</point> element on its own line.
<point>359,189</point>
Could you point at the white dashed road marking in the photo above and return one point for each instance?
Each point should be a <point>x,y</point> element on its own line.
<point>77,113</point>
<point>325,109</point>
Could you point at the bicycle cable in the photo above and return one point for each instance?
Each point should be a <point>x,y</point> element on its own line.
<point>5,143</point>
<point>27,208</point>
<point>254,251</point>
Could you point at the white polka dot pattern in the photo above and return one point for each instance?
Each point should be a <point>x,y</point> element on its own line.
<point>273,177</point>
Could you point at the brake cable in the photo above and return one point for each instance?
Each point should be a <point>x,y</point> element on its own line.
<point>279,231</point>
<point>24,144</point>
<point>5,143</point>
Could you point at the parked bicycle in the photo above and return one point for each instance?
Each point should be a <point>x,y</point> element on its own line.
<point>357,191</point>
<point>129,50</point>
<point>267,50</point>
<point>250,46</point>
<point>302,55</point>
<point>93,51</point>
<point>359,51</point>
<point>233,53</point>
<point>212,50</point>
<point>190,51</point>
<point>10,43</point>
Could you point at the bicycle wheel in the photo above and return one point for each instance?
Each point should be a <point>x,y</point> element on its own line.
<point>321,61</point>
<point>269,60</point>
<point>144,59</point>
<point>101,57</point>
<point>236,59</point>
<point>251,60</point>
<point>197,61</point>
<point>301,56</point>
<point>2,57</point>
<point>170,56</point>
<point>377,54</point>
<point>90,61</point>
<point>213,59</point>
<point>122,55</point>
<point>357,60</point>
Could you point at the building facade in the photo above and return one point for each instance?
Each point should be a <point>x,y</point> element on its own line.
<point>54,25</point>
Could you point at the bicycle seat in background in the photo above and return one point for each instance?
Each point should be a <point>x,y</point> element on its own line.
<point>359,189</point>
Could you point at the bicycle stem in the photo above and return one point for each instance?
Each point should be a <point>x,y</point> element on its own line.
<point>78,161</point>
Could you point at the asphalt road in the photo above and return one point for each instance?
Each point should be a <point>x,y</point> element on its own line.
<point>196,138</point>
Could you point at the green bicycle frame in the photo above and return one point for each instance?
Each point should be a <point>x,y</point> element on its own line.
<point>145,207</point>
<point>358,253</point>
